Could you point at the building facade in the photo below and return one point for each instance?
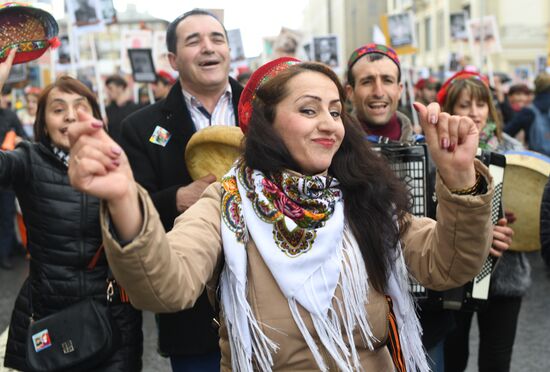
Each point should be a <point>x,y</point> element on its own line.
<point>522,35</point>
<point>352,21</point>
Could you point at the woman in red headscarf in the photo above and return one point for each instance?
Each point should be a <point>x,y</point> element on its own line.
<point>468,94</point>
<point>307,235</point>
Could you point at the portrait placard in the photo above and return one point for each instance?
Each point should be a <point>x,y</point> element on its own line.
<point>458,26</point>
<point>483,35</point>
<point>143,67</point>
<point>86,15</point>
<point>133,39</point>
<point>325,50</point>
<point>401,30</point>
<point>108,11</point>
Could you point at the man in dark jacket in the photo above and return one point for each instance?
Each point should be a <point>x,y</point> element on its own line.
<point>120,105</point>
<point>155,137</point>
<point>534,119</point>
<point>8,122</point>
<point>374,88</point>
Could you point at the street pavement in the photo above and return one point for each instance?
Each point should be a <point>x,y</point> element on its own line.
<point>530,350</point>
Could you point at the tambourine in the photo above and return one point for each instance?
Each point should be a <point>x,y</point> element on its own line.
<point>213,150</point>
<point>525,176</point>
<point>30,30</point>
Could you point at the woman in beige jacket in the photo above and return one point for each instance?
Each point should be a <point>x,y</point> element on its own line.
<point>307,237</point>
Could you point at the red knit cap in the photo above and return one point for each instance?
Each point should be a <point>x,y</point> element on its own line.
<point>258,78</point>
<point>166,77</point>
<point>34,91</point>
<point>374,48</point>
<point>423,83</point>
<point>461,75</point>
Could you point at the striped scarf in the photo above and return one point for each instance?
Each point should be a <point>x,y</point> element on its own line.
<point>61,154</point>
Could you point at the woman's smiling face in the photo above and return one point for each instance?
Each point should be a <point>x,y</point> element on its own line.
<point>309,121</point>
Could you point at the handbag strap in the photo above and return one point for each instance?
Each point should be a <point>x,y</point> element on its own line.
<point>95,258</point>
<point>111,281</point>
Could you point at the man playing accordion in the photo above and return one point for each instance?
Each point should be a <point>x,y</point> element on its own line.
<point>374,89</point>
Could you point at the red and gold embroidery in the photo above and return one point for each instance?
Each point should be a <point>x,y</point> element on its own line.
<point>232,214</point>
<point>283,199</point>
<point>293,243</point>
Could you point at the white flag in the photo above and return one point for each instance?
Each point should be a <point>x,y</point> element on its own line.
<point>378,36</point>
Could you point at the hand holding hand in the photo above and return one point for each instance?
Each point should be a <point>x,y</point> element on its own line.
<point>186,196</point>
<point>502,238</point>
<point>99,167</point>
<point>452,141</point>
<point>97,164</point>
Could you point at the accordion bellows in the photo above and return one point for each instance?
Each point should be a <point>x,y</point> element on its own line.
<point>213,150</point>
<point>31,30</point>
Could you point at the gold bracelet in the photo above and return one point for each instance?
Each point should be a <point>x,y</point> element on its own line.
<point>470,190</point>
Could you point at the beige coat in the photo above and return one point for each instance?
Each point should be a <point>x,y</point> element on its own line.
<point>167,273</point>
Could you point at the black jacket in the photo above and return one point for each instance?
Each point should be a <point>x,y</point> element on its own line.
<point>525,117</point>
<point>10,121</point>
<point>63,236</point>
<point>162,171</point>
<point>545,224</point>
<point>115,115</point>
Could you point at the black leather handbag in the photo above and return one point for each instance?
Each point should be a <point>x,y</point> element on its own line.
<point>77,338</point>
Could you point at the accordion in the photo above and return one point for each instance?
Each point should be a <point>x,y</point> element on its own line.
<point>411,164</point>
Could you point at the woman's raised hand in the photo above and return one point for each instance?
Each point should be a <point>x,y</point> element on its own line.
<point>5,67</point>
<point>452,141</point>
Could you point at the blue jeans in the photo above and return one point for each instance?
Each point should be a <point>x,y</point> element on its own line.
<point>196,363</point>
<point>7,222</point>
<point>436,357</point>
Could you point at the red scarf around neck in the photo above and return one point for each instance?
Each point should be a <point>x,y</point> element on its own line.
<point>392,129</point>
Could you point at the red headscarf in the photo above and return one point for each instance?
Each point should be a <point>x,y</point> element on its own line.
<point>258,78</point>
<point>461,75</point>
<point>166,77</point>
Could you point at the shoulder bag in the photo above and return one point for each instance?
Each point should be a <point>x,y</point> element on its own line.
<point>76,338</point>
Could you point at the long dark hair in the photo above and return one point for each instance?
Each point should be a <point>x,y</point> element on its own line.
<point>65,84</point>
<point>373,195</point>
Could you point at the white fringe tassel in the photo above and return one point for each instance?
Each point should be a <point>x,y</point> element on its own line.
<point>340,320</point>
<point>234,304</point>
<point>407,320</point>
<point>343,316</point>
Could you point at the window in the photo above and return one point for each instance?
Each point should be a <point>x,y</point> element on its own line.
<point>440,35</point>
<point>428,34</point>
